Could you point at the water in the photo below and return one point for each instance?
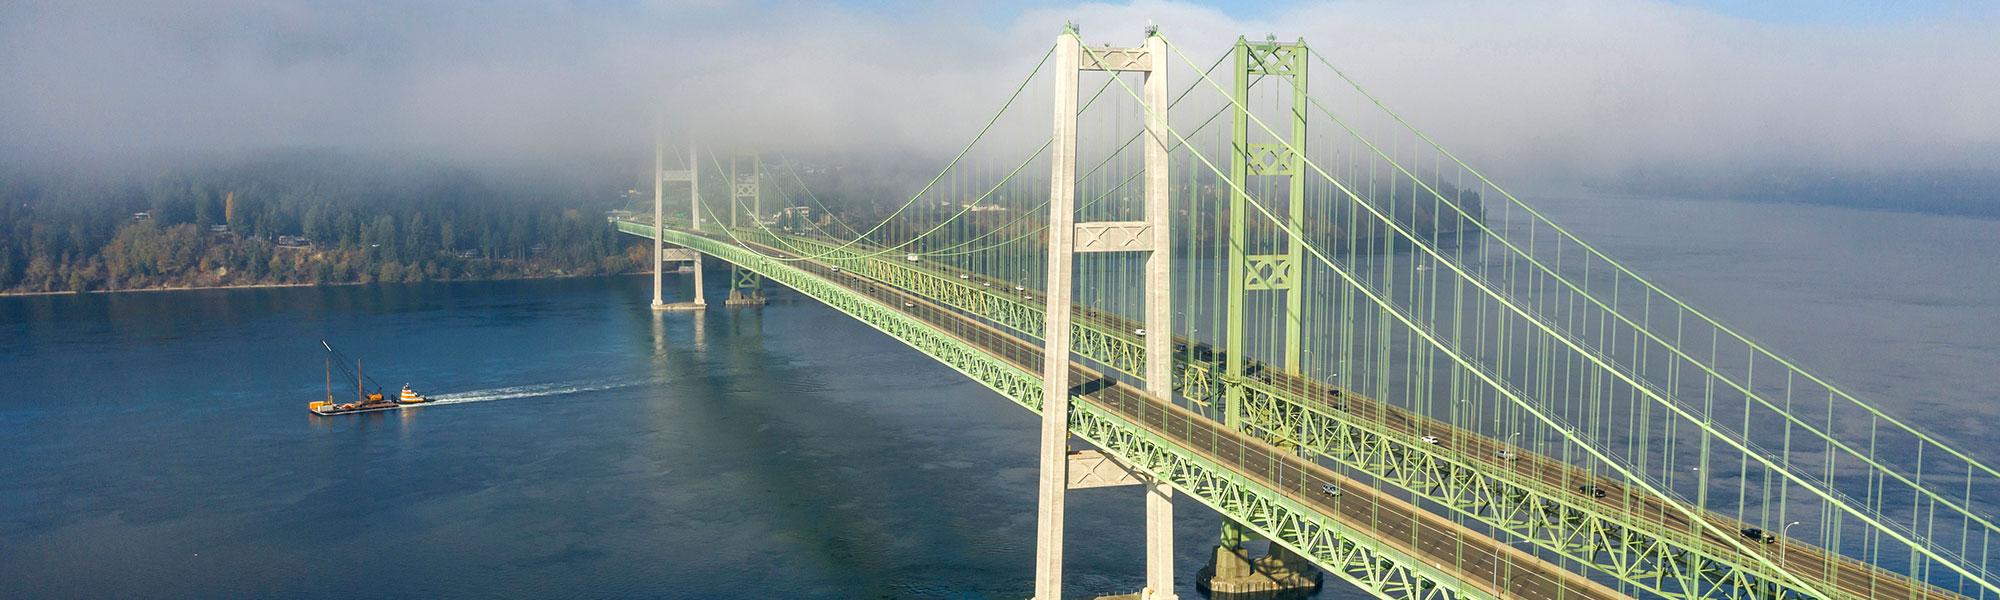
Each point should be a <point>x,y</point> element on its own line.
<point>584,446</point>
<point>581,446</point>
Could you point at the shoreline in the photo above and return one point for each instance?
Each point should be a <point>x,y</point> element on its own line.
<point>253,286</point>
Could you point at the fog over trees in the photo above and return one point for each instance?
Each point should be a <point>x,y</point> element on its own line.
<point>297,218</point>
<point>450,139</point>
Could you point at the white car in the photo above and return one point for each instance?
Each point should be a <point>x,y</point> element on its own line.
<point>908,304</point>
<point>911,258</point>
<point>1330,490</point>
<point>964,276</point>
<point>1505,455</point>
<point>1141,332</point>
<point>1431,439</point>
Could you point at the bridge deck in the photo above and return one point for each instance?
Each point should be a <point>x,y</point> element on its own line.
<point>1852,578</point>
<point>1504,570</point>
<point>1419,532</point>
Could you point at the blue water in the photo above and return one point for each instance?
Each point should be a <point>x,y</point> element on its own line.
<point>159,447</point>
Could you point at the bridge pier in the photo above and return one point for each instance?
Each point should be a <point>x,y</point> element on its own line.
<point>1232,574</point>
<point>699,303</point>
<point>745,288</point>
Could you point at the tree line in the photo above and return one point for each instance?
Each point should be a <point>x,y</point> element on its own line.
<point>296,220</point>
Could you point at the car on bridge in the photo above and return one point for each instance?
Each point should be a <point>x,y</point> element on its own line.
<point>1592,490</point>
<point>1331,490</point>
<point>1759,535</point>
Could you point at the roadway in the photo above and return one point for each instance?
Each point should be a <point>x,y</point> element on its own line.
<point>1363,508</point>
<point>1852,578</point>
<point>1497,567</point>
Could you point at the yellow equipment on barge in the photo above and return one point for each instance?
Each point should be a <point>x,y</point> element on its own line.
<point>365,401</point>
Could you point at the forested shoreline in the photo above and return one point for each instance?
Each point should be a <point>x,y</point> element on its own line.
<point>298,220</point>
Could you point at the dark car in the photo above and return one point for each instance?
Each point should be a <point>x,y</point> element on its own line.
<point>1594,491</point>
<point>1760,535</point>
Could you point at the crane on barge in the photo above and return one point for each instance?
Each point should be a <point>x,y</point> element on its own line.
<point>365,400</point>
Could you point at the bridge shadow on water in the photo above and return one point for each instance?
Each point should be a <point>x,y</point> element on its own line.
<point>824,487</point>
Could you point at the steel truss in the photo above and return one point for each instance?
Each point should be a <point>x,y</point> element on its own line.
<point>1381,569</point>
<point>1548,517</point>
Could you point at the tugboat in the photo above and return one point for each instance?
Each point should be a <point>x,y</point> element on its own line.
<point>410,396</point>
<point>365,401</point>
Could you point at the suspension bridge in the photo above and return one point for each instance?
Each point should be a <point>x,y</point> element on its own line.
<point>1272,293</point>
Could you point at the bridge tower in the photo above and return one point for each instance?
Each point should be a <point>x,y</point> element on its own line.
<point>661,254</point>
<point>1151,236</point>
<point>745,183</point>
<point>1266,274</point>
<point>1274,268</point>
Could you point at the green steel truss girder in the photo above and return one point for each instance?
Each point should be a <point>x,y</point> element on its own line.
<point>1547,517</point>
<point>1372,565</point>
<point>1355,557</point>
<point>1116,349</point>
<point>1556,521</point>
<point>1007,308</point>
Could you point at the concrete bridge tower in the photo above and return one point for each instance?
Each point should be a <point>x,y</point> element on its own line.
<point>1150,236</point>
<point>661,254</point>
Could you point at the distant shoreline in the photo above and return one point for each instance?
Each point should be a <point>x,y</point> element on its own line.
<point>252,286</point>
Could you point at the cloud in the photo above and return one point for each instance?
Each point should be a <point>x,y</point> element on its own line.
<point>1563,92</point>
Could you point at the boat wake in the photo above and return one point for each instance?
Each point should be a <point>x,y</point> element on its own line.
<point>533,391</point>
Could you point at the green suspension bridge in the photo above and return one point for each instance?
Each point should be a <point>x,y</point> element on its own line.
<point>1273,294</point>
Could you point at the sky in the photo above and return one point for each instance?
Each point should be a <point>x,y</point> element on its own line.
<point>1560,94</point>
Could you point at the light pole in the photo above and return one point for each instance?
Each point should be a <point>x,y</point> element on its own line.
<point>1781,537</point>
